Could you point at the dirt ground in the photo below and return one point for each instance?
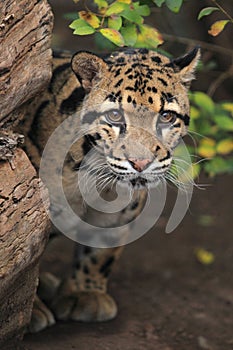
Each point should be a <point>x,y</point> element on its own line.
<point>167,299</point>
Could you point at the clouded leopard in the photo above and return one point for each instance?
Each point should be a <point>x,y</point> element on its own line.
<point>133,109</point>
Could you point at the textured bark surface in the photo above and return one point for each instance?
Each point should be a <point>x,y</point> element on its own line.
<point>25,68</point>
<point>25,54</point>
<point>23,234</point>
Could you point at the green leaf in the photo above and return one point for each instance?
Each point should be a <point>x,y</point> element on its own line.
<point>101,3</point>
<point>113,35</point>
<point>115,22</point>
<point>81,27</point>
<point>115,8</point>
<point>129,34</point>
<point>103,43</point>
<point>148,37</point>
<point>131,15</point>
<point>225,146</point>
<point>159,3</point>
<point>142,10</point>
<point>206,11</point>
<point>194,112</point>
<point>174,5</point>
<point>204,102</point>
<point>218,165</point>
<point>228,106</point>
<point>207,148</point>
<point>90,18</point>
<point>218,27</point>
<point>224,122</point>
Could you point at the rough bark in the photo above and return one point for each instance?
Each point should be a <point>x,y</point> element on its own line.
<point>25,54</point>
<point>23,234</point>
<point>25,68</point>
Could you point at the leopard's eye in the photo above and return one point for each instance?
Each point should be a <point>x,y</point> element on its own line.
<point>167,117</point>
<point>114,117</point>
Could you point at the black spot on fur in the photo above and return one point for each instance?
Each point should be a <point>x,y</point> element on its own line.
<point>86,269</point>
<point>94,260</point>
<point>150,100</point>
<point>77,265</point>
<point>118,72</point>
<point>134,205</point>
<point>86,146</point>
<point>76,166</point>
<point>118,83</point>
<point>185,118</point>
<point>107,264</point>
<point>129,88</point>
<point>70,105</point>
<point>129,99</point>
<point>120,60</point>
<point>166,157</point>
<point>128,71</point>
<point>134,65</point>
<point>163,81</point>
<point>177,125</point>
<point>156,59</point>
<point>143,51</point>
<point>90,117</point>
<point>87,250</point>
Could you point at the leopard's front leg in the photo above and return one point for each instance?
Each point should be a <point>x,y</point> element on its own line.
<point>84,297</point>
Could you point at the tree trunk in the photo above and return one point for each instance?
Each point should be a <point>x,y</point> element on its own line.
<point>25,68</point>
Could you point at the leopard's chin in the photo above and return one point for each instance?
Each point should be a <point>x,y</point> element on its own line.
<point>138,183</point>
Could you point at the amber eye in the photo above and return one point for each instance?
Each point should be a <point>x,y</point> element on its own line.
<point>167,117</point>
<point>114,117</point>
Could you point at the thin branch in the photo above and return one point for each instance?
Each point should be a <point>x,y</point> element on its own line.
<point>217,82</point>
<point>222,10</point>
<point>207,46</point>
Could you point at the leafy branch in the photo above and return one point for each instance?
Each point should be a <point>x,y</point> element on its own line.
<point>218,26</point>
<point>122,21</point>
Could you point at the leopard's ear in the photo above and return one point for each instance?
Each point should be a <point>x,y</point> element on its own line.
<point>88,68</point>
<point>186,65</point>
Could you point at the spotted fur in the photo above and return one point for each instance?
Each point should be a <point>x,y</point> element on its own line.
<point>133,105</point>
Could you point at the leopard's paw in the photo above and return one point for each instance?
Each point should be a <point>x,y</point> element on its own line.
<point>41,317</point>
<point>86,306</point>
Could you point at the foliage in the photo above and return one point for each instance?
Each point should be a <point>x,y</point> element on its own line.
<point>122,22</point>
<point>218,26</point>
<point>211,125</point>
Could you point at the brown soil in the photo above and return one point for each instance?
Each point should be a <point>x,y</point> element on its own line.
<point>167,299</point>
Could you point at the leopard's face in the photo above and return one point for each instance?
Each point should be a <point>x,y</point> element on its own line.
<point>136,110</point>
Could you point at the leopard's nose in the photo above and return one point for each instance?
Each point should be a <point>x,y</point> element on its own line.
<point>139,164</point>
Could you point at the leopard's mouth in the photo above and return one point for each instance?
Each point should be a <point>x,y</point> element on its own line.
<point>138,182</point>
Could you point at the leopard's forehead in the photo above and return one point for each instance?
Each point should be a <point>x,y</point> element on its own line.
<point>140,77</point>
